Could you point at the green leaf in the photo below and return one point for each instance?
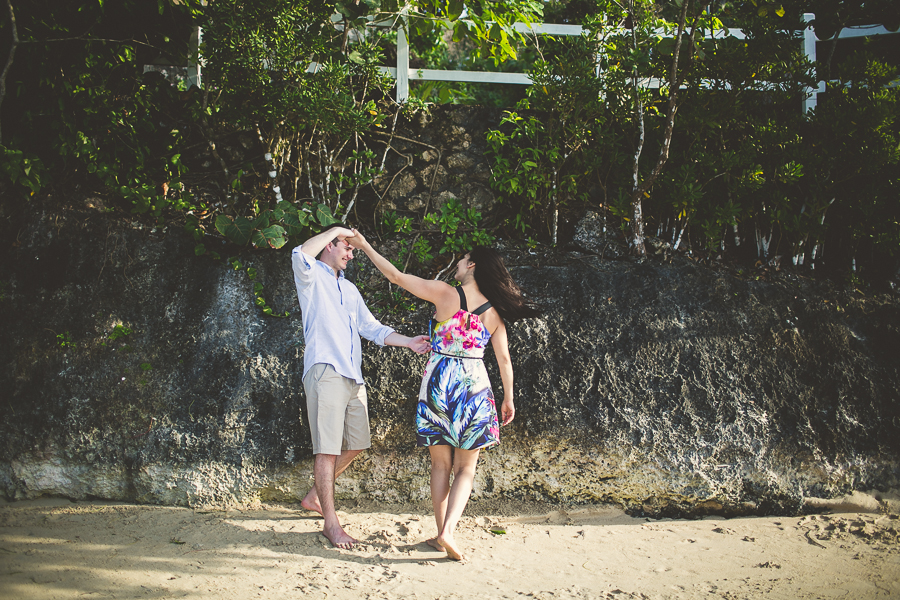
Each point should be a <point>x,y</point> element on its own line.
<point>497,530</point>
<point>454,9</point>
<point>236,230</point>
<point>199,250</point>
<point>272,236</point>
<point>296,222</point>
<point>324,216</point>
<point>275,235</point>
<point>263,220</point>
<point>460,31</point>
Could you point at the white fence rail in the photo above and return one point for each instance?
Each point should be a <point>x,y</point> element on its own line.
<point>403,74</point>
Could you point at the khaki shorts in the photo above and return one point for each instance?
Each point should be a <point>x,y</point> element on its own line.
<point>338,411</point>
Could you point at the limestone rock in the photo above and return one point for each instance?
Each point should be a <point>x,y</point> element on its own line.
<point>403,186</point>
<point>668,389</point>
<point>591,234</point>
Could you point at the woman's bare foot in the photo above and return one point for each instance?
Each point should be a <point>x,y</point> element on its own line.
<point>435,544</point>
<point>339,538</point>
<point>450,546</point>
<point>311,502</point>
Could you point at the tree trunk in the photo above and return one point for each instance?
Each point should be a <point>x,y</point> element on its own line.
<point>9,59</point>
<point>636,243</point>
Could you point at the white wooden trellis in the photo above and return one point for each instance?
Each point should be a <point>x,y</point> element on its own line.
<point>403,74</point>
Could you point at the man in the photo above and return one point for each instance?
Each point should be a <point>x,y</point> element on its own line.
<point>334,317</point>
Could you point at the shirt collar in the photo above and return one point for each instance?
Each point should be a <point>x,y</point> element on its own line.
<point>330,270</point>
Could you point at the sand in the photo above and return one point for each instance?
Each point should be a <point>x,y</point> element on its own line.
<point>53,548</point>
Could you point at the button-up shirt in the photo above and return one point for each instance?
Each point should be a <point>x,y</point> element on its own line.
<point>334,316</point>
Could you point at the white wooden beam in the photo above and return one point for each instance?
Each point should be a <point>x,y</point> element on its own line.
<point>402,64</point>
<point>861,31</point>
<point>809,48</point>
<point>469,76</point>
<point>194,75</point>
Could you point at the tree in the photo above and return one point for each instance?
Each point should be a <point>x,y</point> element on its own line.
<point>74,99</point>
<point>639,53</point>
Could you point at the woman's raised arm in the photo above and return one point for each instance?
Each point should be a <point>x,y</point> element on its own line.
<point>436,292</point>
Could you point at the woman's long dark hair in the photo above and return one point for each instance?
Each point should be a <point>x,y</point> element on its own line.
<point>497,285</point>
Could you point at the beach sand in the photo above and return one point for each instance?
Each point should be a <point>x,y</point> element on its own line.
<point>54,548</point>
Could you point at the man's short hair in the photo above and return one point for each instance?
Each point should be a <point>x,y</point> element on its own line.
<point>333,242</point>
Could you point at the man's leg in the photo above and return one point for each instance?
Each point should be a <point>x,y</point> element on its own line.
<point>311,501</point>
<point>338,415</point>
<point>324,473</point>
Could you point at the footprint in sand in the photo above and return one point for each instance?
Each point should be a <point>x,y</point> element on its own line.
<point>724,530</point>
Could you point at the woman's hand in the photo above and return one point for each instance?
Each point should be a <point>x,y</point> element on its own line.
<point>358,240</point>
<point>507,411</point>
<point>341,233</point>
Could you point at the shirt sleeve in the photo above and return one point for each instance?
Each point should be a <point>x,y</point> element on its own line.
<point>369,327</point>
<point>302,265</point>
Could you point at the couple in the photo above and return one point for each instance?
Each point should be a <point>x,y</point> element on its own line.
<point>455,417</point>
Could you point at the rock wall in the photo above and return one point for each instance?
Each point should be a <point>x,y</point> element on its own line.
<point>131,369</point>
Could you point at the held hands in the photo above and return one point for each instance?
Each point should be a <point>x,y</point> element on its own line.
<point>419,344</point>
<point>507,411</point>
<point>342,233</point>
<point>358,240</point>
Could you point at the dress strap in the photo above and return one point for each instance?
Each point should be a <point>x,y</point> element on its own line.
<point>481,308</point>
<point>462,299</point>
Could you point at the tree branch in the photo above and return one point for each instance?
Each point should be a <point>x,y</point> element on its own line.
<point>9,59</point>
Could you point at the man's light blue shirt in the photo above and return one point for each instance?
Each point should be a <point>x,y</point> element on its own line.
<point>334,316</point>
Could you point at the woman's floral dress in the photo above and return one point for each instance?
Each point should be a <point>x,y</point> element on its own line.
<point>456,403</point>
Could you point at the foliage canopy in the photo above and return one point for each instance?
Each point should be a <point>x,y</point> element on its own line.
<point>718,158</point>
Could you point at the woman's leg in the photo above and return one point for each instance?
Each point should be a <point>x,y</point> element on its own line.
<point>441,465</point>
<point>464,462</point>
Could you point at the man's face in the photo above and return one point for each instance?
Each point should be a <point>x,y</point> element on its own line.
<point>338,255</point>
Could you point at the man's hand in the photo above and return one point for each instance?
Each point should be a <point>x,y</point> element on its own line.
<point>342,233</point>
<point>507,411</point>
<point>314,245</point>
<point>358,240</point>
<point>420,344</point>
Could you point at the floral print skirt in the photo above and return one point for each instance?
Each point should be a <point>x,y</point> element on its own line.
<point>456,405</point>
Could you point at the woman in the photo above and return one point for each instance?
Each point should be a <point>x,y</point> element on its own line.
<point>456,416</point>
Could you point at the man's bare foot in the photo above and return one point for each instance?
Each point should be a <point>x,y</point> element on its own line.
<point>434,544</point>
<point>339,538</point>
<point>311,502</point>
<point>450,546</point>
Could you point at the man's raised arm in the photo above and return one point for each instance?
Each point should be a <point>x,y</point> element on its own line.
<point>314,245</point>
